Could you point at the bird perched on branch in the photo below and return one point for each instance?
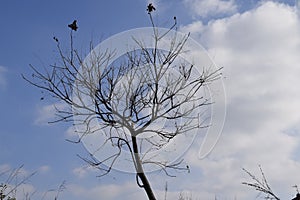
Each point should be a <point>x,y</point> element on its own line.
<point>150,8</point>
<point>73,26</point>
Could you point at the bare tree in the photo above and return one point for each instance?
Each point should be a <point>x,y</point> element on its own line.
<point>129,98</point>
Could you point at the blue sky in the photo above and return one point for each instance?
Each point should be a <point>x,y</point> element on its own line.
<point>257,42</point>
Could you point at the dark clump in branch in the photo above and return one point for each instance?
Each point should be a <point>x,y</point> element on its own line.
<point>150,8</point>
<point>73,26</point>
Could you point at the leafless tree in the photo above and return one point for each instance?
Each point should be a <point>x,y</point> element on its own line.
<point>129,99</point>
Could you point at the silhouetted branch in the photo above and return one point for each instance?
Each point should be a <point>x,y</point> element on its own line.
<point>261,185</point>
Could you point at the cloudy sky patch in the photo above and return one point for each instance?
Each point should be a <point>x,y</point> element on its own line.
<point>208,8</point>
<point>259,50</point>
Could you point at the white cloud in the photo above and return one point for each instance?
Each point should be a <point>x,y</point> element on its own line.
<point>71,134</point>
<point>206,8</point>
<point>44,169</point>
<point>48,113</point>
<point>83,172</point>
<point>80,172</point>
<point>195,27</point>
<point>260,52</point>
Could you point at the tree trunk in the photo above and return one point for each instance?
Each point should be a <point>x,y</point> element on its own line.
<point>140,171</point>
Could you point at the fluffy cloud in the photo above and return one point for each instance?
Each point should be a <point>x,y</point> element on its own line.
<point>83,172</point>
<point>260,52</point>
<point>48,113</point>
<point>205,8</point>
<point>44,169</point>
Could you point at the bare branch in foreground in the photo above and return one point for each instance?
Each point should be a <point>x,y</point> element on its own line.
<point>261,185</point>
